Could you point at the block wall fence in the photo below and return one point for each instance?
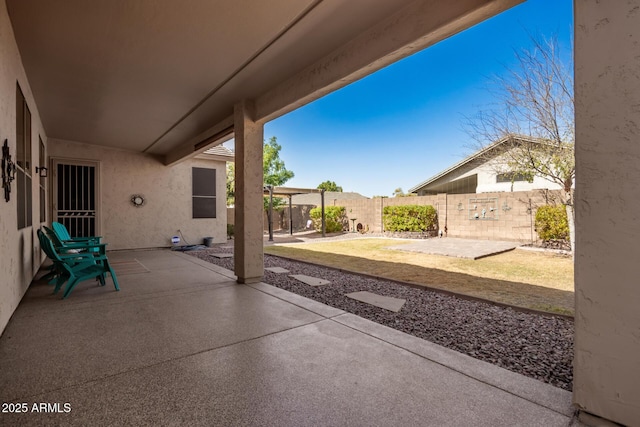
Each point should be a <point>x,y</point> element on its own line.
<point>490,216</point>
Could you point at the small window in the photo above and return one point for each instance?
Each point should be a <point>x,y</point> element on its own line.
<point>23,160</point>
<point>204,193</point>
<point>510,177</point>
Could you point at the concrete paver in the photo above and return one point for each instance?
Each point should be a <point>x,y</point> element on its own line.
<point>278,270</point>
<point>388,303</point>
<point>309,280</point>
<point>454,247</point>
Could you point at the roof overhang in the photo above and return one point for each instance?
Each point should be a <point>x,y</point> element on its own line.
<point>480,155</point>
<point>162,76</point>
<point>290,191</point>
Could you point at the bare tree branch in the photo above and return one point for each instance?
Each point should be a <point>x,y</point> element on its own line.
<point>532,119</point>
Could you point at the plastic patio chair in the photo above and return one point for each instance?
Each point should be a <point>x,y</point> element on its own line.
<point>74,268</point>
<point>64,235</point>
<point>72,246</point>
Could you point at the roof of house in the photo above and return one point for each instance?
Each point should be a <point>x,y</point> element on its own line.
<point>329,196</point>
<point>480,154</point>
<point>219,152</point>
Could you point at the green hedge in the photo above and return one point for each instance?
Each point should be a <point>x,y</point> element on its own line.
<point>335,218</point>
<point>551,223</point>
<point>410,218</point>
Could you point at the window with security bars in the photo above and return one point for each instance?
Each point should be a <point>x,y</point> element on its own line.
<point>204,192</point>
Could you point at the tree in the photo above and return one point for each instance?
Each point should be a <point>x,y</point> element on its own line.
<point>534,118</point>
<point>399,193</point>
<point>231,184</point>
<point>275,172</point>
<point>330,186</point>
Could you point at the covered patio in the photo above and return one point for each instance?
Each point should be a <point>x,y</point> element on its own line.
<point>183,343</point>
<point>140,89</point>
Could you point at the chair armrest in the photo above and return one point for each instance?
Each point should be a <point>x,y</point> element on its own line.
<point>83,239</point>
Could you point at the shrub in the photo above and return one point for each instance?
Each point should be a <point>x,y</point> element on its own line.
<point>335,218</point>
<point>410,218</point>
<point>551,223</point>
<point>230,230</point>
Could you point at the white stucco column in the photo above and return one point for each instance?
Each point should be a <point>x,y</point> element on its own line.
<point>607,277</point>
<point>248,249</point>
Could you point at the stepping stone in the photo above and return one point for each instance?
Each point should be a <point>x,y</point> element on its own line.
<point>388,303</point>
<point>311,281</point>
<point>222,255</point>
<point>278,270</point>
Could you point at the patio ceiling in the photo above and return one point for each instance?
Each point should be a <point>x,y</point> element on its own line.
<point>162,76</point>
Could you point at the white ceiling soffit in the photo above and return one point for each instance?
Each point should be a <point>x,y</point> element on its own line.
<point>150,75</point>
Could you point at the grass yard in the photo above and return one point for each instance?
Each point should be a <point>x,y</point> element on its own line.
<point>534,280</point>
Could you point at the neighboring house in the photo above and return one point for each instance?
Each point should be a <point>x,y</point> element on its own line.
<point>483,172</point>
<point>330,198</point>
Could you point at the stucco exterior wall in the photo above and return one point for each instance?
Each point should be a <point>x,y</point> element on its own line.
<point>607,321</point>
<point>487,171</point>
<point>487,180</point>
<point>167,191</point>
<point>20,254</point>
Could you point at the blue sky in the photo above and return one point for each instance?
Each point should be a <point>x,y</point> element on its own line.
<point>403,124</point>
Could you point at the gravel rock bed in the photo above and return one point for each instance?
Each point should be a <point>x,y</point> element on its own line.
<point>538,346</point>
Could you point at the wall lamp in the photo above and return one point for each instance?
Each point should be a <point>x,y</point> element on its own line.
<point>42,170</point>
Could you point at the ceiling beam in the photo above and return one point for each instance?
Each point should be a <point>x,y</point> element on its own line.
<point>215,135</point>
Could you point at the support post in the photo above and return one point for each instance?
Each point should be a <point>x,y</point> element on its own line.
<point>606,365</point>
<point>270,187</point>
<point>248,245</point>
<point>290,216</point>
<point>323,218</point>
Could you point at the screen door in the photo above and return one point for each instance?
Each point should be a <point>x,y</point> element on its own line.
<point>75,198</point>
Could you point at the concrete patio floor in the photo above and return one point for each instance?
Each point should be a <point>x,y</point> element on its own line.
<point>183,344</point>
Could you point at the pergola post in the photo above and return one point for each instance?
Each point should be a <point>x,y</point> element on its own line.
<point>323,218</point>
<point>290,216</point>
<point>270,187</point>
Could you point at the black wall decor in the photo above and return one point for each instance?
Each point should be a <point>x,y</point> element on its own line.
<point>8,170</point>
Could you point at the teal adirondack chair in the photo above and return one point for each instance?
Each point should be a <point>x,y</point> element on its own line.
<point>65,238</point>
<point>63,234</point>
<point>74,268</point>
<point>71,246</point>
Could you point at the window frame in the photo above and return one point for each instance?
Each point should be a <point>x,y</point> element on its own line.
<point>24,179</point>
<point>510,177</point>
<point>204,193</point>
<point>42,156</point>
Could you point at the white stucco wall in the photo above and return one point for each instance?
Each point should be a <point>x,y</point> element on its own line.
<point>487,172</point>
<point>167,191</point>
<point>487,175</point>
<point>607,81</point>
<point>20,256</point>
